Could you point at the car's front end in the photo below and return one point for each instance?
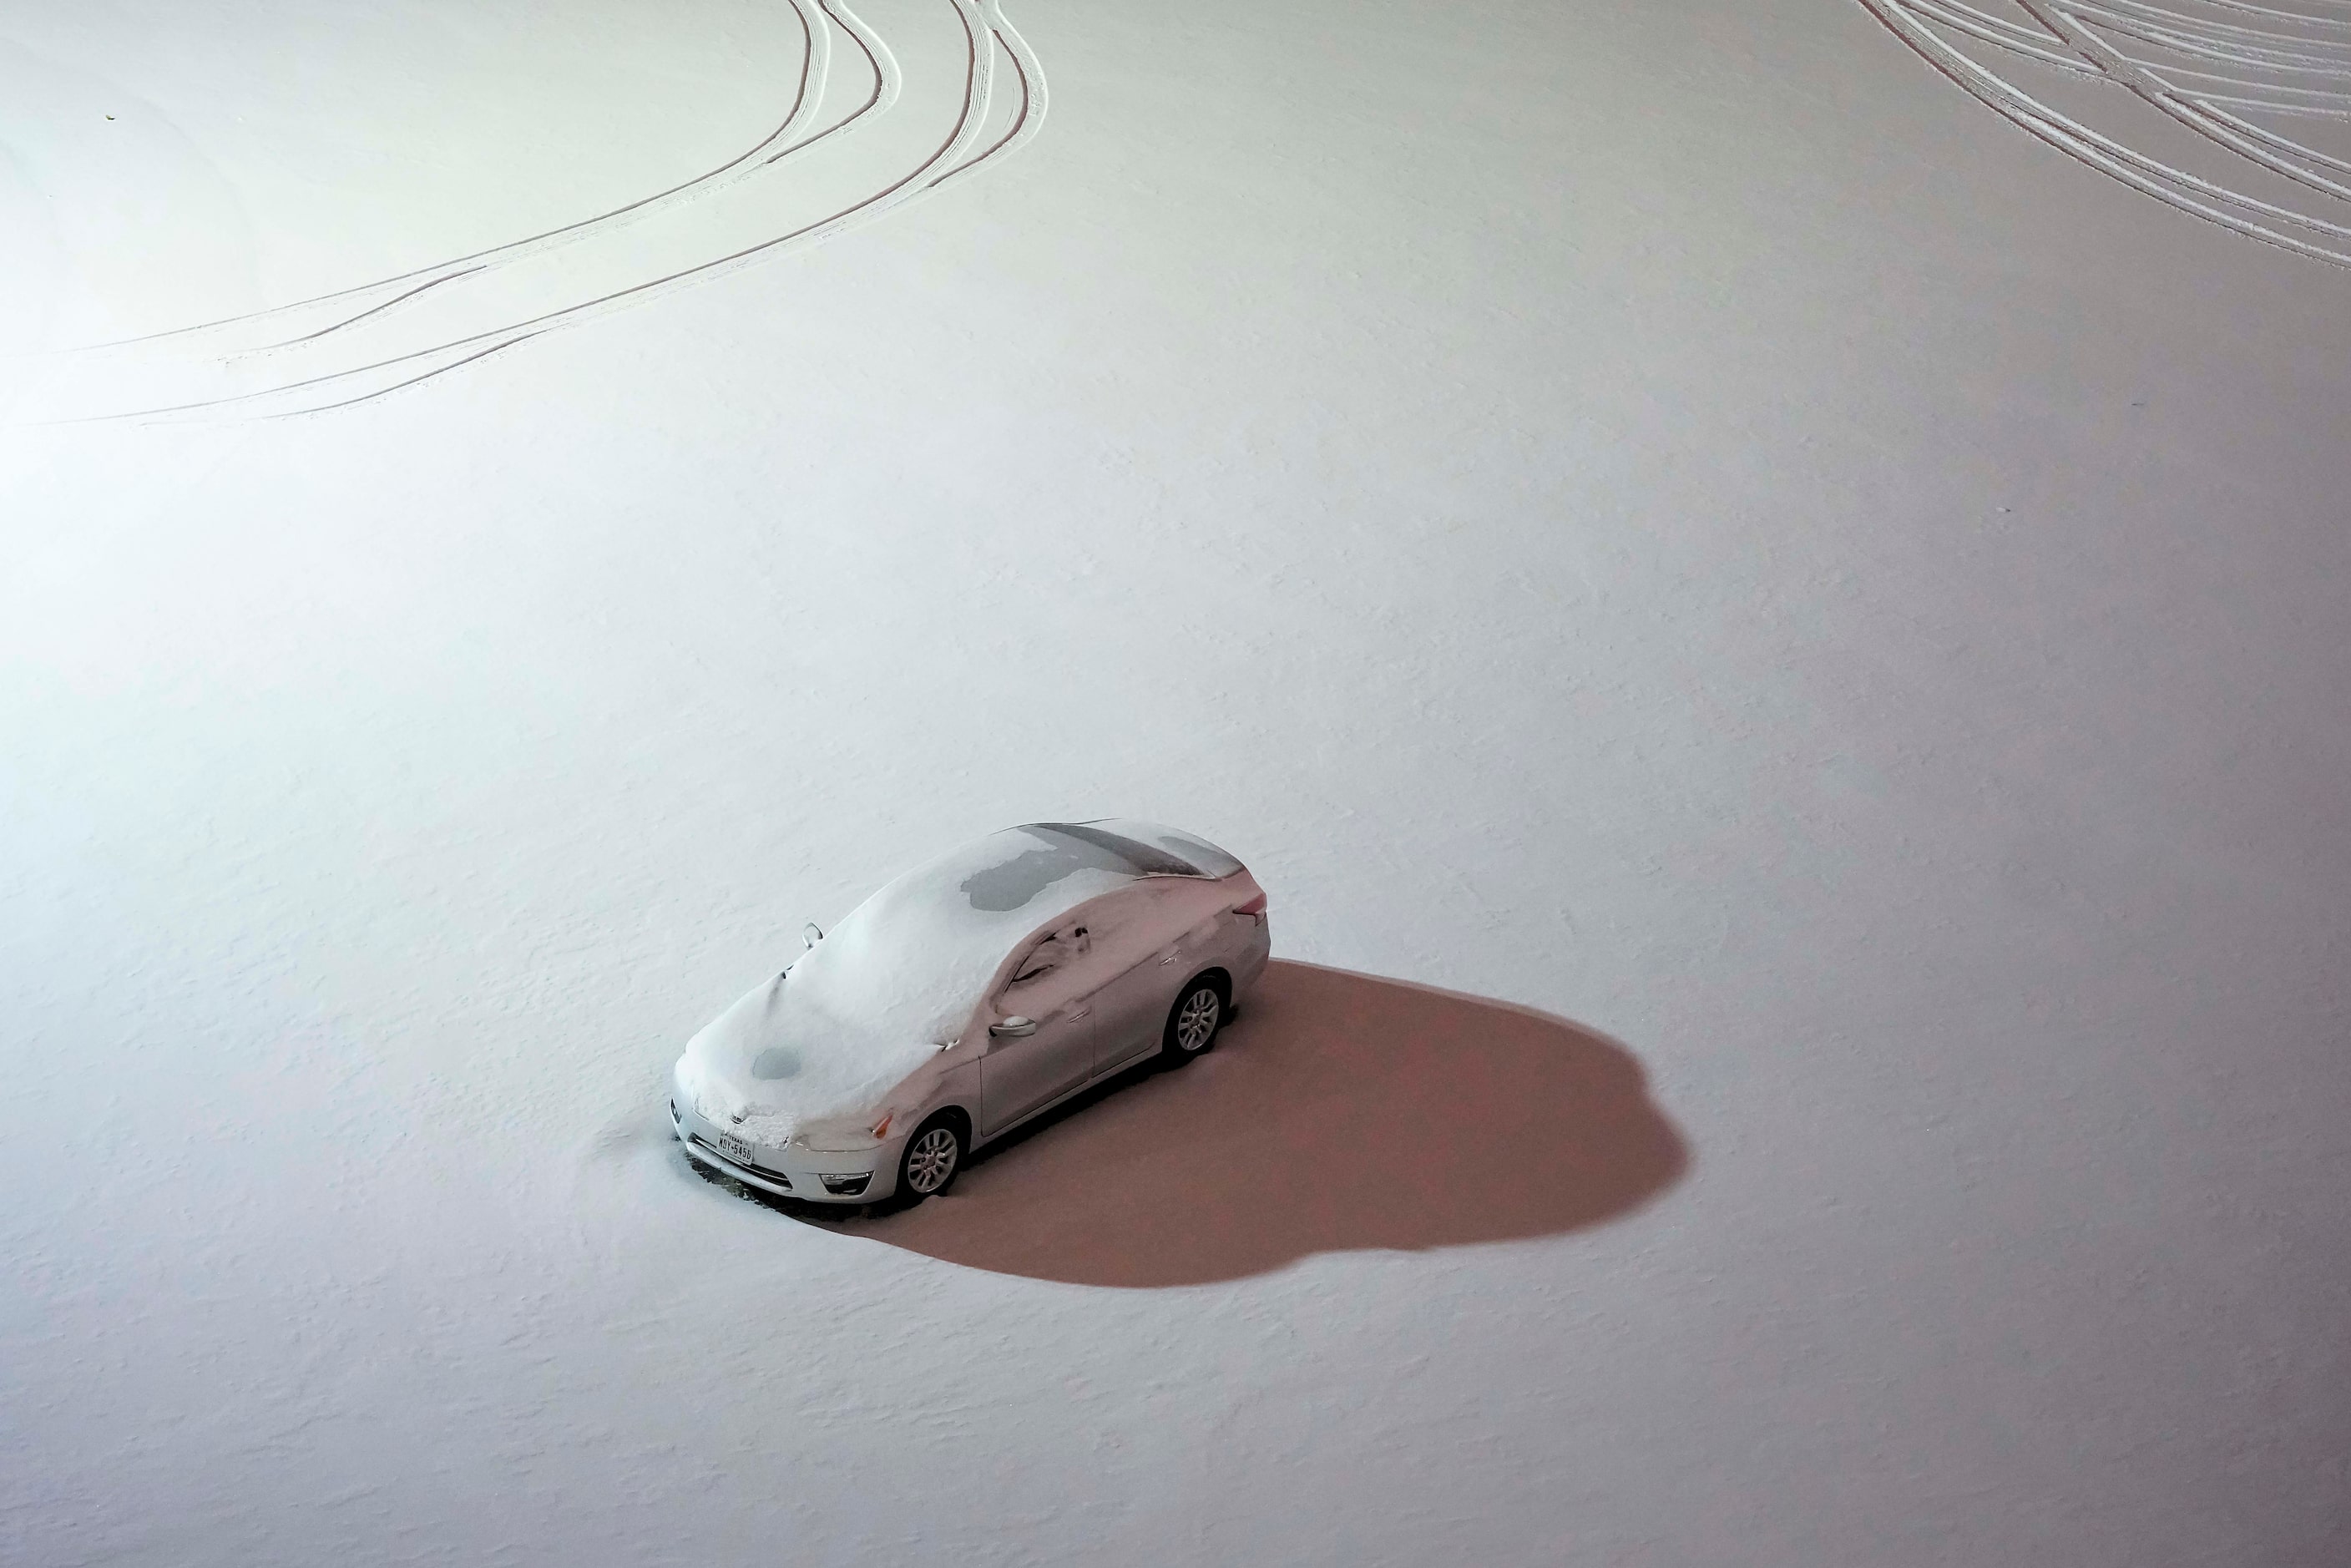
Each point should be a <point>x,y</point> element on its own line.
<point>811,1162</point>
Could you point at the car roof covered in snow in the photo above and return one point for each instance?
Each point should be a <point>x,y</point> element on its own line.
<point>943,927</point>
<point>1020,866</point>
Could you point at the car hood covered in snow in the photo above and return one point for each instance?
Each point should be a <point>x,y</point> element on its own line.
<point>901,978</point>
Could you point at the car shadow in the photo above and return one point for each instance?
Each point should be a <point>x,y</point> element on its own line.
<point>1338,1112</point>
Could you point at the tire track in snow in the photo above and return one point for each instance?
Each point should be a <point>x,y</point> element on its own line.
<point>1030,117</point>
<point>2200,64</point>
<point>986,33</point>
<point>815,56</point>
<point>887,80</point>
<point>396,386</point>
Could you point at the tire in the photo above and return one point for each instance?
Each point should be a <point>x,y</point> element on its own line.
<point>931,1160</point>
<point>1192,1022</point>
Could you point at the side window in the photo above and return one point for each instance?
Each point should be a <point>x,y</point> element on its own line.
<point>1056,953</point>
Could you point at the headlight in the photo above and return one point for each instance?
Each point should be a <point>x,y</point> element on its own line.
<point>839,1137</point>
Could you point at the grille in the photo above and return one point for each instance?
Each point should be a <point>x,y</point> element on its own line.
<point>778,1177</point>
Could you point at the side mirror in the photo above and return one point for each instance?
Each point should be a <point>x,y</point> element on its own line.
<point>1013,1028</point>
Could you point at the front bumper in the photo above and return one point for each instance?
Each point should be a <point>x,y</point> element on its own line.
<point>810,1176</point>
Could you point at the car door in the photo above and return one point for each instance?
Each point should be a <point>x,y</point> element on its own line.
<point>1131,1008</point>
<point>1054,1050</point>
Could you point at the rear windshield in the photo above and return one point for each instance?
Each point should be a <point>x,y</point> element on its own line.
<point>1131,854</point>
<point>1200,857</point>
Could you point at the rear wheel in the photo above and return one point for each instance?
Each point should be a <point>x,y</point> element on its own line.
<point>933,1156</point>
<point>1192,1022</point>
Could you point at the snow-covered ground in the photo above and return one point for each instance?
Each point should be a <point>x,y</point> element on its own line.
<point>1806,626</point>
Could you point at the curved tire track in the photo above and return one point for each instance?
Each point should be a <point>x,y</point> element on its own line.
<point>986,31</point>
<point>815,59</point>
<point>2208,74</point>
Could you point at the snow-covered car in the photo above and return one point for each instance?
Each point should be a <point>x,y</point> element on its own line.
<point>969,995</point>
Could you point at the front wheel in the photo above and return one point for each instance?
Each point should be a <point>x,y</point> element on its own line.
<point>933,1156</point>
<point>1192,1022</point>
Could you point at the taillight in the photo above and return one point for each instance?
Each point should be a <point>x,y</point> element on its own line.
<point>1254,909</point>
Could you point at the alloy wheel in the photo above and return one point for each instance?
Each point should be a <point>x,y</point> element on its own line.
<point>1195,1022</point>
<point>930,1161</point>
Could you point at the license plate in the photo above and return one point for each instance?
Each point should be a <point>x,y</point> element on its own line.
<point>735,1148</point>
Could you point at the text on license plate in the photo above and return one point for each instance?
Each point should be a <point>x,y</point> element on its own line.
<point>735,1148</point>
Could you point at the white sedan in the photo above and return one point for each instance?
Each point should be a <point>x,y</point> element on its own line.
<point>969,995</point>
